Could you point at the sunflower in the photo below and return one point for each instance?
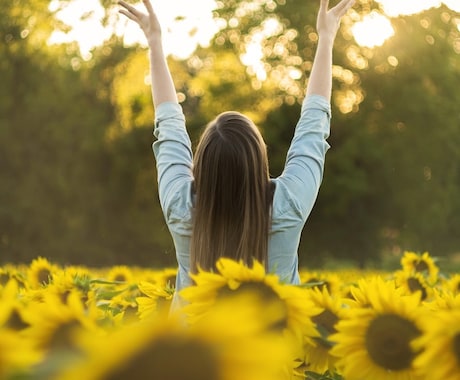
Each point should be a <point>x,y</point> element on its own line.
<point>286,306</point>
<point>229,343</point>
<point>55,325</point>
<point>115,292</point>
<point>165,278</point>
<point>317,356</point>
<point>4,277</point>
<point>453,283</point>
<point>412,262</point>
<point>361,293</point>
<point>330,281</point>
<point>40,273</point>
<point>123,304</point>
<point>444,300</point>
<point>13,314</point>
<point>9,271</point>
<point>64,283</point>
<point>154,299</point>
<point>414,283</point>
<point>79,277</point>
<point>17,356</point>
<point>439,358</point>
<point>120,273</point>
<point>374,341</point>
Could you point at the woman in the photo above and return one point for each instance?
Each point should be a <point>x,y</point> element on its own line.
<point>221,201</point>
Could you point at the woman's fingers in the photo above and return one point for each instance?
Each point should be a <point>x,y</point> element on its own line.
<point>149,7</point>
<point>328,21</point>
<point>129,15</point>
<point>341,8</point>
<point>148,22</point>
<point>152,15</point>
<point>128,8</point>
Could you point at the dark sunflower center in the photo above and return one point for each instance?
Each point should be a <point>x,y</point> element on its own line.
<point>15,321</point>
<point>415,285</point>
<point>44,276</point>
<point>388,340</point>
<point>62,337</point>
<point>275,308</point>
<point>120,277</point>
<point>170,358</point>
<point>64,296</point>
<point>4,278</point>
<point>421,266</point>
<point>325,324</point>
<point>456,344</point>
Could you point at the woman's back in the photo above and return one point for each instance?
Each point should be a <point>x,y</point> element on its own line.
<point>295,191</point>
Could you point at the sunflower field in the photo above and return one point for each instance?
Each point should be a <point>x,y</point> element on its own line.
<point>236,323</point>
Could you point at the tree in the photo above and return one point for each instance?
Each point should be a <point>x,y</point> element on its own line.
<point>78,174</point>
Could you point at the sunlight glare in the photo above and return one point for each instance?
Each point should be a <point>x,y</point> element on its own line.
<point>253,56</point>
<point>453,4</point>
<point>373,30</point>
<point>185,25</point>
<point>85,18</point>
<point>395,8</point>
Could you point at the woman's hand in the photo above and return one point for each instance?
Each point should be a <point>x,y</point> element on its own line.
<point>328,21</point>
<point>148,22</point>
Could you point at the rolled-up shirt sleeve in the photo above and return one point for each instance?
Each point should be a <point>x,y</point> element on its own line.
<point>173,152</point>
<point>304,166</point>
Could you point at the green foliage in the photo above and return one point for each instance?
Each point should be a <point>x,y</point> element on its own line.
<point>78,180</point>
<point>410,109</point>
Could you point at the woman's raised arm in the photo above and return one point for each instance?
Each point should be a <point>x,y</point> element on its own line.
<point>328,21</point>
<point>163,89</point>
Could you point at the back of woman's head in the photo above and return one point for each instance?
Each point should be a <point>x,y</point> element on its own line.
<point>233,196</point>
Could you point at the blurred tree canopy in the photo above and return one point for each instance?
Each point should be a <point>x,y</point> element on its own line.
<point>78,180</point>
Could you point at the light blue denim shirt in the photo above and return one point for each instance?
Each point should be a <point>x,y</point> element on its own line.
<point>295,193</point>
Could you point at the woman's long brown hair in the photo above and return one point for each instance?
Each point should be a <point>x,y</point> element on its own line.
<point>233,194</point>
